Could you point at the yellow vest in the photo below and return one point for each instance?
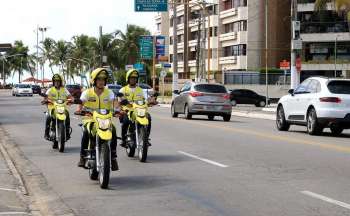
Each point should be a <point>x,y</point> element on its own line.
<point>98,102</point>
<point>55,94</point>
<point>133,96</point>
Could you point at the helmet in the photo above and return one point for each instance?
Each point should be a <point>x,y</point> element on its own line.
<point>132,73</point>
<point>99,73</point>
<point>58,77</point>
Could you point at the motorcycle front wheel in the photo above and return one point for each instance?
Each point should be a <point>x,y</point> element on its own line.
<point>143,144</point>
<point>104,164</point>
<point>61,136</point>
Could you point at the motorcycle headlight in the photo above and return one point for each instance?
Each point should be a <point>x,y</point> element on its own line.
<point>140,102</point>
<point>60,109</point>
<point>59,101</point>
<point>141,112</point>
<point>103,123</point>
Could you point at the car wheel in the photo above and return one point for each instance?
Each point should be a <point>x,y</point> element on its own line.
<point>313,127</point>
<point>336,130</point>
<point>281,122</point>
<point>211,117</point>
<point>188,115</point>
<point>262,104</point>
<point>173,113</point>
<point>234,102</point>
<point>227,117</point>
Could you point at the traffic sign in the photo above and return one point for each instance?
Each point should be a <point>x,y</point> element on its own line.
<point>151,5</point>
<point>140,68</point>
<point>128,67</point>
<point>160,46</point>
<point>163,73</point>
<point>146,47</point>
<point>284,65</point>
<point>298,64</point>
<point>167,65</point>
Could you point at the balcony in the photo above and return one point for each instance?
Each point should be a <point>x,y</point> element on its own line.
<point>233,38</point>
<point>325,65</point>
<point>309,5</point>
<point>233,62</point>
<point>234,14</point>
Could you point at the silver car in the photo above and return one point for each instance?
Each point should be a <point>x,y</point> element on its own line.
<point>202,99</point>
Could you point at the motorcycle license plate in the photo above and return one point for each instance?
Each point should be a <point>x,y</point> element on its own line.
<point>60,110</point>
<point>141,112</point>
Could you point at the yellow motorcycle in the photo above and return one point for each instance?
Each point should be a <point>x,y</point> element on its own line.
<point>137,135</point>
<point>99,153</point>
<point>58,130</point>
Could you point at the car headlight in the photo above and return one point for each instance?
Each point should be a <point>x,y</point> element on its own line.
<point>141,112</point>
<point>60,109</point>
<point>103,123</point>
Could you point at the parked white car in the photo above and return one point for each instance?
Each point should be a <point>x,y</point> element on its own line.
<point>316,103</point>
<point>22,90</point>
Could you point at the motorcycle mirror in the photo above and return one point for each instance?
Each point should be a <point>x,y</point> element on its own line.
<point>120,94</point>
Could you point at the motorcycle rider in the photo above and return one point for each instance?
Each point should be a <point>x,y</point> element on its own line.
<point>97,97</point>
<point>57,91</point>
<point>131,92</point>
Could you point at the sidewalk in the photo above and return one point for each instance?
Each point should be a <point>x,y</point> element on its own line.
<point>11,199</point>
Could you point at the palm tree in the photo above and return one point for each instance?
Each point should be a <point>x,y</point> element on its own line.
<point>61,53</point>
<point>20,61</point>
<point>48,48</point>
<point>130,40</point>
<point>341,6</point>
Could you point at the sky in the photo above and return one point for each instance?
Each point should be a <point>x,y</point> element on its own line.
<point>66,18</point>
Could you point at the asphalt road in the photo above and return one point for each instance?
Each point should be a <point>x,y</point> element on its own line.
<point>198,167</point>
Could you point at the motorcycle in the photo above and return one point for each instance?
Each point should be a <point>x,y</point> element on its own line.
<point>137,135</point>
<point>57,131</point>
<point>99,153</point>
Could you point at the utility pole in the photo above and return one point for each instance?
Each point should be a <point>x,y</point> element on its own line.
<point>101,47</point>
<point>154,64</point>
<point>42,29</point>
<point>198,49</point>
<point>335,56</point>
<point>175,73</point>
<point>293,71</point>
<point>209,51</point>
<point>266,53</point>
<point>37,52</point>
<point>186,18</point>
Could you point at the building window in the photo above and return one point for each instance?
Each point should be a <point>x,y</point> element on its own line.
<point>180,38</point>
<point>235,26</point>
<point>171,22</point>
<point>237,50</point>
<point>171,40</point>
<point>158,26</point>
<point>171,58</point>
<point>229,4</point>
<point>180,57</point>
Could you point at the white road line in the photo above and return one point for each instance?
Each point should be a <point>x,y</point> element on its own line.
<point>8,189</point>
<point>13,213</point>
<point>326,199</point>
<point>203,159</point>
<point>75,117</point>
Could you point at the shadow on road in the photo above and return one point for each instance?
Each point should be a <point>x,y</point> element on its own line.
<point>324,134</point>
<point>166,158</point>
<point>142,182</point>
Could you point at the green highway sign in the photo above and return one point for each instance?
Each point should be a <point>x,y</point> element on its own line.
<point>146,47</point>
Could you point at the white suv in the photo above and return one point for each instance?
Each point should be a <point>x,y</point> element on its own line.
<point>317,103</point>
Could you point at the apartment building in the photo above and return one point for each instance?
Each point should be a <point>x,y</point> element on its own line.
<point>237,37</point>
<point>162,28</point>
<point>326,41</point>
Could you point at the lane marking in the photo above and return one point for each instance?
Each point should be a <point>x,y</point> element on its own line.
<point>14,213</point>
<point>265,135</point>
<point>8,189</point>
<point>326,199</point>
<point>203,159</point>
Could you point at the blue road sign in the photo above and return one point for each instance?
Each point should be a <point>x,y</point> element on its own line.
<point>151,5</point>
<point>167,65</point>
<point>160,46</point>
<point>146,47</point>
<point>140,68</point>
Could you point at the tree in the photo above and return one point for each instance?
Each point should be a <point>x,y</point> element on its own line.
<point>341,6</point>
<point>48,48</point>
<point>61,53</point>
<point>19,62</point>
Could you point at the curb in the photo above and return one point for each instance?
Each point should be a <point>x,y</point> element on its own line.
<point>42,200</point>
<point>246,114</point>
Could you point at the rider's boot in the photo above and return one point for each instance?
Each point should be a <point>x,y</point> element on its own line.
<point>114,164</point>
<point>82,161</point>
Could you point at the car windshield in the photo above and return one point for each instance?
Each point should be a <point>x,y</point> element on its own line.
<point>339,87</point>
<point>207,88</point>
<point>144,86</point>
<point>73,86</point>
<point>114,87</point>
<point>24,86</point>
